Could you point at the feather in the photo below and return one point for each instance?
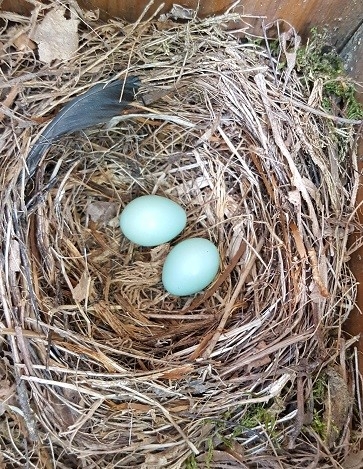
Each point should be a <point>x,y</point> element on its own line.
<point>98,105</point>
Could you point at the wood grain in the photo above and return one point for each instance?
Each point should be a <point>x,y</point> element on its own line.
<point>342,18</point>
<point>354,325</point>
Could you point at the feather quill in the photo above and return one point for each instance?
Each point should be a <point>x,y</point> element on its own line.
<point>98,105</point>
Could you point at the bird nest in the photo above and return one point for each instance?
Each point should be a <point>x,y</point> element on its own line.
<point>100,365</point>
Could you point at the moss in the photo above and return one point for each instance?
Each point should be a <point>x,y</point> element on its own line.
<point>210,451</point>
<point>258,415</point>
<point>344,91</point>
<point>319,389</point>
<point>228,429</point>
<point>318,424</point>
<point>318,61</point>
<point>319,392</point>
<point>191,463</point>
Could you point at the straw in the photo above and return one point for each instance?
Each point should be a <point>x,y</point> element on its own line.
<point>101,367</point>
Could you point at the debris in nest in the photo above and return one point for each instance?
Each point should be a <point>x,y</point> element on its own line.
<point>178,12</point>
<point>338,402</point>
<point>57,36</point>
<point>102,212</point>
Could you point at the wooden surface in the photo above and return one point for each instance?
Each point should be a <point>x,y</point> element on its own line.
<point>341,17</point>
<point>354,325</point>
<point>352,55</point>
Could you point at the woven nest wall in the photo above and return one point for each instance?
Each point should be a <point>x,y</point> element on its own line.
<point>100,366</point>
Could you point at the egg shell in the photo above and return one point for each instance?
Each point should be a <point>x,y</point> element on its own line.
<point>151,220</point>
<point>190,266</point>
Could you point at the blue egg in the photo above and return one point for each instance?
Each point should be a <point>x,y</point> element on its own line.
<point>151,220</point>
<point>190,266</point>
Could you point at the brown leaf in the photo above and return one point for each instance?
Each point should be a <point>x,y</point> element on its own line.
<point>180,405</point>
<point>353,461</point>
<point>56,36</point>
<point>178,12</point>
<point>337,405</point>
<point>129,406</point>
<point>315,268</point>
<point>223,457</point>
<point>23,43</point>
<point>7,390</point>
<point>102,212</point>
<point>286,39</point>
<point>154,461</point>
<point>299,241</point>
<point>82,290</point>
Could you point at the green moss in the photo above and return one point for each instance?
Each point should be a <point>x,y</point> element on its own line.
<point>210,450</point>
<point>191,463</point>
<point>256,415</point>
<point>340,89</point>
<point>235,423</point>
<point>319,392</point>
<point>319,389</point>
<point>318,424</point>
<point>318,61</point>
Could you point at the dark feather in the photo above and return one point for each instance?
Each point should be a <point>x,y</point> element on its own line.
<point>98,105</point>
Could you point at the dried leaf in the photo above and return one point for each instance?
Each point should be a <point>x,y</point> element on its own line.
<point>299,241</point>
<point>226,458</point>
<point>57,36</point>
<point>178,12</point>
<point>24,43</point>
<point>129,406</point>
<point>295,199</point>
<point>82,289</point>
<point>181,405</point>
<point>264,360</point>
<point>177,373</point>
<point>7,390</point>
<point>154,461</point>
<point>337,405</point>
<point>353,461</point>
<point>14,256</point>
<point>287,38</point>
<point>317,276</point>
<point>102,212</point>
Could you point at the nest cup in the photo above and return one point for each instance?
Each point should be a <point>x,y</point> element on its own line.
<point>109,368</point>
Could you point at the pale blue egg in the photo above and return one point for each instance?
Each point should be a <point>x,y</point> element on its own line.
<point>151,220</point>
<point>190,266</point>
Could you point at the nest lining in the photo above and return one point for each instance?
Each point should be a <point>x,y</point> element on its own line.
<point>110,368</point>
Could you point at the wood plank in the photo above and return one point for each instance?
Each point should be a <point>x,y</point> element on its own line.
<point>352,55</point>
<point>342,18</point>
<point>354,325</point>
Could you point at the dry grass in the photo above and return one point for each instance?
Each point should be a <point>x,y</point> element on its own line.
<point>101,368</point>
